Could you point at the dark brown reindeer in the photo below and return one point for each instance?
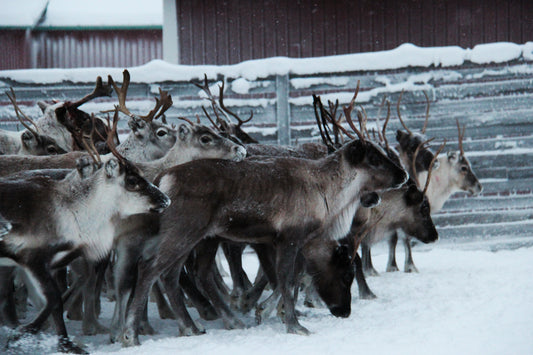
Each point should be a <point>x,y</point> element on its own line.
<point>414,154</point>
<point>76,120</point>
<point>289,202</point>
<point>454,173</point>
<point>29,142</point>
<point>54,220</point>
<point>224,124</point>
<point>406,208</point>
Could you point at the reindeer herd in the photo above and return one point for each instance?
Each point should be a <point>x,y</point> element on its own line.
<point>82,213</point>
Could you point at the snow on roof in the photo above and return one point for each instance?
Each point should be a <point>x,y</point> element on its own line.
<point>406,55</point>
<point>82,13</point>
<point>20,13</point>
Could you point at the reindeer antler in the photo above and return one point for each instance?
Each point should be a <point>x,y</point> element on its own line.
<point>400,115</point>
<point>415,154</point>
<point>348,113</point>
<point>110,142</point>
<point>162,104</point>
<point>21,115</point>
<point>431,166</point>
<point>317,105</point>
<point>427,113</point>
<point>99,90</point>
<point>225,109</point>
<point>461,135</point>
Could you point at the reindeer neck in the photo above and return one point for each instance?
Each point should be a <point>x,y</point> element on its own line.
<point>441,186</point>
<point>86,213</point>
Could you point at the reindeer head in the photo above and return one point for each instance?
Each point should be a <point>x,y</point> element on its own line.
<point>201,142</point>
<point>411,142</point>
<point>118,180</point>
<point>222,121</point>
<point>330,264</point>
<point>32,141</point>
<point>460,170</point>
<point>155,139</point>
<point>415,219</point>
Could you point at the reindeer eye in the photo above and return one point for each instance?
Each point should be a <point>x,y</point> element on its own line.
<point>161,132</point>
<point>464,169</point>
<point>51,150</point>
<point>131,182</point>
<point>206,139</point>
<point>373,159</point>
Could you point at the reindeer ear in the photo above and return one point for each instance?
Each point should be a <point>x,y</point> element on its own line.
<point>370,199</point>
<point>42,105</point>
<point>355,152</point>
<point>85,167</point>
<point>111,168</point>
<point>452,156</point>
<point>413,196</point>
<point>341,256</point>
<point>183,131</point>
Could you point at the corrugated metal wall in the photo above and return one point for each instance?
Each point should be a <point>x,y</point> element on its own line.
<point>14,50</point>
<point>227,32</point>
<point>75,49</point>
<point>118,48</point>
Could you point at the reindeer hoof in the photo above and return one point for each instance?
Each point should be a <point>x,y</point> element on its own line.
<point>128,338</point>
<point>233,323</point>
<point>192,331</point>
<point>368,295</point>
<point>298,329</point>
<point>411,268</point>
<point>371,272</point>
<point>146,329</point>
<point>94,328</point>
<point>67,346</point>
<point>392,268</point>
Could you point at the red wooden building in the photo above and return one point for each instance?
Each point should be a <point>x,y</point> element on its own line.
<point>74,33</point>
<point>231,31</point>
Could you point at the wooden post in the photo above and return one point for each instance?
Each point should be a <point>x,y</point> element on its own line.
<point>283,109</point>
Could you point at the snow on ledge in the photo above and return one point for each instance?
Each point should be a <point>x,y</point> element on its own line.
<point>406,55</point>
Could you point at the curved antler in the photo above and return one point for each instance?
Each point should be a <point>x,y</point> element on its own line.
<point>400,115</point>
<point>21,115</point>
<point>413,162</point>
<point>461,136</point>
<point>99,90</point>
<point>427,113</point>
<point>431,166</point>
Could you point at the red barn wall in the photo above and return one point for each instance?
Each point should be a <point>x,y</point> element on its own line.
<point>231,31</point>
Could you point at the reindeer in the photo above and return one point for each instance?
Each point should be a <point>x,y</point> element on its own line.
<point>286,201</point>
<point>414,155</point>
<point>55,220</point>
<point>454,173</point>
<point>28,142</point>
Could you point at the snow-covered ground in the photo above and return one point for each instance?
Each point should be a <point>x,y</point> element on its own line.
<point>465,300</point>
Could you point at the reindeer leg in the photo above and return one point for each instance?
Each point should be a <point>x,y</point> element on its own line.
<point>409,263</point>
<point>391,263</point>
<point>186,325</point>
<point>285,269</point>
<point>8,314</point>
<point>368,268</point>
<point>205,255</point>
<point>364,291</point>
<point>202,304</point>
<point>147,275</point>
<point>40,271</point>
<point>162,305</point>
<point>124,279</point>
<point>90,324</point>
<point>241,283</point>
